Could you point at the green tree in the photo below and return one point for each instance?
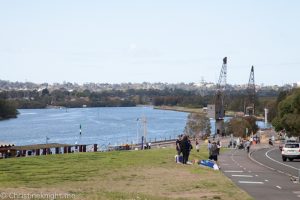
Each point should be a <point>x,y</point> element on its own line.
<point>239,125</point>
<point>7,109</point>
<point>288,115</point>
<point>198,124</point>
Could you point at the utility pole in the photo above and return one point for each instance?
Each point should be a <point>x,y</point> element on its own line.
<point>145,128</point>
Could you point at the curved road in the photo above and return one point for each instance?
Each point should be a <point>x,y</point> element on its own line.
<point>262,175</point>
<point>272,159</point>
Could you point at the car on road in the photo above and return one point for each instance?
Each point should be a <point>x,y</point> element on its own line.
<point>290,151</point>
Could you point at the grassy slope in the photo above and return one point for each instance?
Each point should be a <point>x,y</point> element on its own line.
<point>150,174</point>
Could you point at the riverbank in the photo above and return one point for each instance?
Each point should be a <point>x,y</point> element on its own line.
<point>179,109</point>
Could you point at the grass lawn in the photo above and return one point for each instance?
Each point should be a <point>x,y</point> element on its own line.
<point>150,174</point>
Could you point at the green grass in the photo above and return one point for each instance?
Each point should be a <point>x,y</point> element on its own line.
<point>149,174</point>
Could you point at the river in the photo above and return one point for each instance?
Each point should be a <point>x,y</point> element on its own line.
<point>102,126</point>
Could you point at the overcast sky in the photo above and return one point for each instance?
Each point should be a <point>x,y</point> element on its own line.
<point>154,41</point>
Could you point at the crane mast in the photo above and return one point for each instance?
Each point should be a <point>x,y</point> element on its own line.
<point>250,100</point>
<point>219,99</point>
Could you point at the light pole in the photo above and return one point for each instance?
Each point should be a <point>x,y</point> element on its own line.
<point>137,130</point>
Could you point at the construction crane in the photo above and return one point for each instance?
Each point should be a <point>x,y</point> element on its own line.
<point>219,99</point>
<point>250,99</point>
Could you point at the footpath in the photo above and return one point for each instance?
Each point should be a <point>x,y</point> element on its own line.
<point>258,181</point>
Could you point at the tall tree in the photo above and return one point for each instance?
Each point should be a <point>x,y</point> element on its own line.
<point>288,115</point>
<point>198,124</point>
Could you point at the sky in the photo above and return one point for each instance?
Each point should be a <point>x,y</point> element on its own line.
<point>138,41</point>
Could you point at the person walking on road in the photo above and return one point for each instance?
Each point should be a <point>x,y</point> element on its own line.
<point>247,145</point>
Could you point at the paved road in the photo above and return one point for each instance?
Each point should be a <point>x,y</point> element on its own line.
<point>257,180</point>
<point>271,157</point>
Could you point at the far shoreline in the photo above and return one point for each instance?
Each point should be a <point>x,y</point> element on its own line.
<point>179,109</point>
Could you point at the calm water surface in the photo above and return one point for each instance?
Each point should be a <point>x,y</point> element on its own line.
<point>99,125</point>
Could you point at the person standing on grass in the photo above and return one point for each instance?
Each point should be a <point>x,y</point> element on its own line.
<point>214,152</point>
<point>178,145</point>
<point>219,146</point>
<point>186,148</point>
<point>197,145</point>
<point>208,148</point>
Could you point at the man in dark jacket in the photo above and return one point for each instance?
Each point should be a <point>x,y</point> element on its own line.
<point>186,148</point>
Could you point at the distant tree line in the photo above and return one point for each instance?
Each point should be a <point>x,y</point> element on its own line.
<point>132,97</point>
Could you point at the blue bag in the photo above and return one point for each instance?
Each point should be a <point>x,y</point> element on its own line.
<point>207,163</point>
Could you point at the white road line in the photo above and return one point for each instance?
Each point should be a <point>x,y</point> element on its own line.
<point>298,195</point>
<point>240,175</point>
<point>249,155</point>
<point>267,180</point>
<point>278,187</point>
<point>249,171</point>
<point>267,155</point>
<point>296,192</point>
<point>230,171</point>
<point>256,175</point>
<point>250,182</point>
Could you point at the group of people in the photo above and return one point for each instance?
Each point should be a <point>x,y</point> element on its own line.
<point>184,147</point>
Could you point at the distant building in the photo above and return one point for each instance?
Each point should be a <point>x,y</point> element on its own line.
<point>211,111</point>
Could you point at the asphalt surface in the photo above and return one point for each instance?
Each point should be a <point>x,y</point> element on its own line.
<point>271,157</point>
<point>262,178</point>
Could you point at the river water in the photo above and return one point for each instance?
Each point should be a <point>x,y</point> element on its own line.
<point>98,125</point>
<point>101,126</point>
